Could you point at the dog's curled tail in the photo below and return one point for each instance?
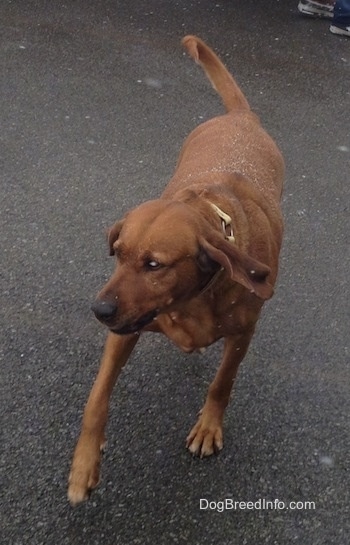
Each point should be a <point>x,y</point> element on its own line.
<point>217,73</point>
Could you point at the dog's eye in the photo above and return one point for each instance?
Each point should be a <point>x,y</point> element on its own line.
<point>153,265</point>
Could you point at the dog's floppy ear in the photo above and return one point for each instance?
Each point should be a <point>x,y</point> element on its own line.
<point>113,234</point>
<point>242,268</point>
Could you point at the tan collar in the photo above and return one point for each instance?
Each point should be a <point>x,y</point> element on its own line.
<point>226,222</point>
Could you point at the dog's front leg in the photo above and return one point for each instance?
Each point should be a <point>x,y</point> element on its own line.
<point>85,470</point>
<point>206,436</point>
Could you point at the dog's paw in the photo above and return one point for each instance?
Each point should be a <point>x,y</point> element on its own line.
<point>206,436</point>
<point>84,475</point>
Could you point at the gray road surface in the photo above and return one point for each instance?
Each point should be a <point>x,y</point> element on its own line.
<point>96,99</point>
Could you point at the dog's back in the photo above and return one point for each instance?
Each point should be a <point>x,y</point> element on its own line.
<point>235,142</point>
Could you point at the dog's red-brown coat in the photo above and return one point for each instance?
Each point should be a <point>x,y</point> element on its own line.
<point>180,272</point>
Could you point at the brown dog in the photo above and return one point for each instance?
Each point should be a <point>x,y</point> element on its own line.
<point>196,264</point>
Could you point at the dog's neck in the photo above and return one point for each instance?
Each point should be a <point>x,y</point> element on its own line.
<point>212,281</point>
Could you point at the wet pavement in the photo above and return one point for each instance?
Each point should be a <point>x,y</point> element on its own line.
<point>97,97</point>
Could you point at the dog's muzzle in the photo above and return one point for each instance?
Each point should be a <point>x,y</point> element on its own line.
<point>106,312</point>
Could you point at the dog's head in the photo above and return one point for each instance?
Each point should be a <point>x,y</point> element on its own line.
<point>166,254</point>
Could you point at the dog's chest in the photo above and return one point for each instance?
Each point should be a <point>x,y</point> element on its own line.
<point>206,319</point>
<point>199,324</point>
<point>189,332</point>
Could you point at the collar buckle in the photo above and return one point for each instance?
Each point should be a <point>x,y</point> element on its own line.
<point>226,223</point>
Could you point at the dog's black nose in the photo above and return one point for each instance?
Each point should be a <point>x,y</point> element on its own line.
<point>104,310</point>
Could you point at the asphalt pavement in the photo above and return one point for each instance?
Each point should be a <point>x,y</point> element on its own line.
<point>96,99</point>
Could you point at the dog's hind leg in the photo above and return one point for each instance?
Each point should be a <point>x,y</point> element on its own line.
<point>85,470</point>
